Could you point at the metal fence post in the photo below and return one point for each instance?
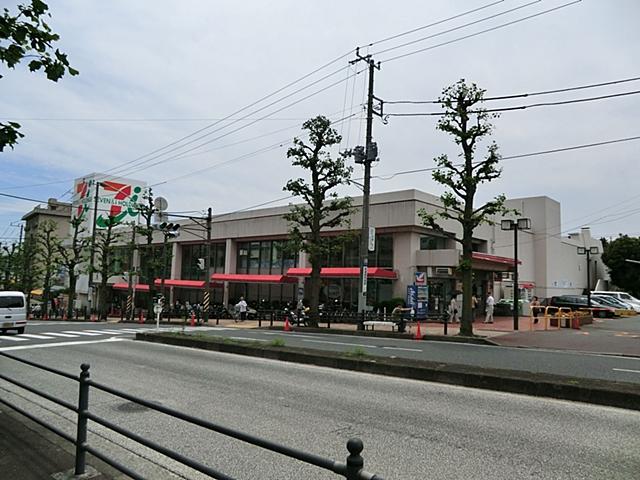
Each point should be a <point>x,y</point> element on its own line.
<point>355,462</point>
<point>83,407</point>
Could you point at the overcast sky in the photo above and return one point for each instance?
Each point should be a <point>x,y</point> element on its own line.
<point>152,72</point>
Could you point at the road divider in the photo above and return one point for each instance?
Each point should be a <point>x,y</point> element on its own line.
<point>601,392</point>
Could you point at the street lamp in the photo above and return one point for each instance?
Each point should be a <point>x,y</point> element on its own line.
<point>515,225</point>
<point>588,252</point>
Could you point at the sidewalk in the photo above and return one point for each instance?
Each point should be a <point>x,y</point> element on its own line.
<point>30,452</point>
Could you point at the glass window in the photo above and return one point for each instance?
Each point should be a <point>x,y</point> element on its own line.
<point>276,257</point>
<point>12,302</point>
<point>265,257</point>
<point>243,258</point>
<point>428,242</point>
<point>384,246</point>
<point>254,257</point>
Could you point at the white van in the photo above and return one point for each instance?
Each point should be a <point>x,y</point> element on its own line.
<point>13,311</point>
<point>623,297</point>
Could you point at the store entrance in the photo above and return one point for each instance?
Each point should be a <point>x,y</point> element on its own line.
<point>440,290</point>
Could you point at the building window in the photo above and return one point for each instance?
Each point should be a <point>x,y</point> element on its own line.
<point>430,242</point>
<point>191,255</point>
<point>266,257</point>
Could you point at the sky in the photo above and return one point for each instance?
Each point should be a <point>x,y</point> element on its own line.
<point>201,99</point>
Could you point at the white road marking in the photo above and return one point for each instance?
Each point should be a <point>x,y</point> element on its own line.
<point>88,334</point>
<point>39,337</point>
<point>403,349</point>
<point>626,370</point>
<point>61,344</point>
<point>56,334</point>
<point>246,339</point>
<point>13,339</point>
<point>113,332</point>
<point>342,343</point>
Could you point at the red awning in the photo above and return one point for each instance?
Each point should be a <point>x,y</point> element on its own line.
<point>140,287</point>
<point>170,282</point>
<point>485,257</point>
<point>344,272</point>
<point>250,278</point>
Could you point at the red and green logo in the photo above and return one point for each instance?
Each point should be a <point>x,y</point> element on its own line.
<point>122,200</point>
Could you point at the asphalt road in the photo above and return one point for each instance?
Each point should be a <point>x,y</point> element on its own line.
<point>568,363</point>
<point>411,430</point>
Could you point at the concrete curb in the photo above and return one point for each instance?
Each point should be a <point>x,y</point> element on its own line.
<point>385,334</point>
<point>600,392</point>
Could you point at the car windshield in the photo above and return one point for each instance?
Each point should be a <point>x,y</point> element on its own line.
<point>11,302</point>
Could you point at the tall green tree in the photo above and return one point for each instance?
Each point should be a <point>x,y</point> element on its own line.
<point>322,209</point>
<point>149,252</point>
<point>30,269</point>
<point>106,240</point>
<point>73,254</point>
<point>624,275</point>
<point>49,257</point>
<point>468,123</point>
<point>8,263</point>
<point>25,34</point>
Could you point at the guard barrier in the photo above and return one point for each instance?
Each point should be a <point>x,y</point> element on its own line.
<point>554,318</point>
<point>352,469</point>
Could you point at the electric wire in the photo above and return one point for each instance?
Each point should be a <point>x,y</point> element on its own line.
<point>459,27</point>
<point>520,107</point>
<point>439,22</point>
<point>522,95</point>
<point>481,32</point>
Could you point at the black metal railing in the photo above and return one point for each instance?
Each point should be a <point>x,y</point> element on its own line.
<point>351,469</point>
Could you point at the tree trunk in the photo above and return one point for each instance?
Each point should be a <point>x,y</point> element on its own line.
<point>72,294</point>
<point>466,322</point>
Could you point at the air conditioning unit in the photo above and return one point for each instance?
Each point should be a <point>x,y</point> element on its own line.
<point>443,271</point>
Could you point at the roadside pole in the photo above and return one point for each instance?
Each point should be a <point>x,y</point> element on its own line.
<point>93,251</point>
<point>206,301</point>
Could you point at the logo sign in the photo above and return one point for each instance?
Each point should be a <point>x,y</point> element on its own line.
<point>117,198</point>
<point>371,240</point>
<point>421,278</point>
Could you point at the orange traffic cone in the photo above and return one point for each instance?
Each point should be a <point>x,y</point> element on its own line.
<point>45,317</point>
<point>287,325</point>
<point>193,319</point>
<point>418,333</point>
<point>140,317</point>
<point>64,316</point>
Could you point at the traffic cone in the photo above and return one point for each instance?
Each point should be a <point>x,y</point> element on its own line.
<point>64,316</point>
<point>93,317</point>
<point>140,317</point>
<point>193,319</point>
<point>418,333</point>
<point>287,325</point>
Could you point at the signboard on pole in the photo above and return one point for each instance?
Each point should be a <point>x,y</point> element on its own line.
<point>371,240</point>
<point>365,271</point>
<point>117,197</point>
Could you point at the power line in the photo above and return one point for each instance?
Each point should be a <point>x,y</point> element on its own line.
<point>459,27</point>
<point>522,95</point>
<point>439,22</point>
<point>497,27</point>
<point>511,157</point>
<point>521,107</point>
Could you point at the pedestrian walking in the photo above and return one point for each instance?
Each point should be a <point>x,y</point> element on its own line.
<point>453,309</point>
<point>535,308</point>
<point>241,307</point>
<point>489,309</point>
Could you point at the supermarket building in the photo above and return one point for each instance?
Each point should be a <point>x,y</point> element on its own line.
<point>248,257</point>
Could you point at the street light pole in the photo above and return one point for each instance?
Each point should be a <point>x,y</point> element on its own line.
<point>515,225</point>
<point>588,251</point>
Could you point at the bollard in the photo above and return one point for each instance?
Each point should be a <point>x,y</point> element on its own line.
<point>83,408</point>
<point>355,462</point>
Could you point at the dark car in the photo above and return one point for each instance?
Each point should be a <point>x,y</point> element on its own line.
<point>579,302</point>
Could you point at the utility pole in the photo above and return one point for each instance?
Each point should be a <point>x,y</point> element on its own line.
<point>93,248</point>
<point>130,298</point>
<point>366,156</point>
<point>206,301</point>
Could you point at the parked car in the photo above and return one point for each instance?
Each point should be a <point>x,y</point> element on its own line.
<point>622,296</point>
<point>579,302</point>
<point>613,302</point>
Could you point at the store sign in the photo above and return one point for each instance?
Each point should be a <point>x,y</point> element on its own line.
<point>117,198</point>
<point>421,278</point>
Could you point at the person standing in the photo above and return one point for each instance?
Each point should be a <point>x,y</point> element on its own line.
<point>474,307</point>
<point>535,308</point>
<point>490,303</point>
<point>241,306</point>
<point>453,309</point>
